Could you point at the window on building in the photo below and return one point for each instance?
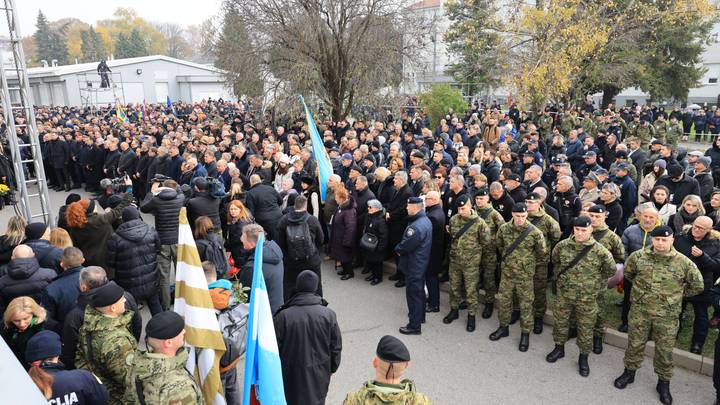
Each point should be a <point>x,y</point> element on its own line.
<point>712,80</point>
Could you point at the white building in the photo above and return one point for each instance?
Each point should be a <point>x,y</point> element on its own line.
<point>134,80</point>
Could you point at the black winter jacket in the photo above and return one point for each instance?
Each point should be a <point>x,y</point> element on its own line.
<point>375,224</point>
<point>678,190</point>
<point>24,277</point>
<point>48,256</point>
<point>204,205</point>
<point>264,203</point>
<point>310,346</point>
<point>165,206</point>
<point>708,263</point>
<point>132,251</point>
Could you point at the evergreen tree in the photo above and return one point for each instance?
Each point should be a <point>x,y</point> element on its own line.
<point>42,39</point>
<point>92,47</point>
<point>130,46</point>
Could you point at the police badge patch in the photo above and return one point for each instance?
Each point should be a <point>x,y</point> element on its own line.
<point>410,232</point>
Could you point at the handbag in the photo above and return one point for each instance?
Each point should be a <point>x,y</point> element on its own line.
<point>369,242</point>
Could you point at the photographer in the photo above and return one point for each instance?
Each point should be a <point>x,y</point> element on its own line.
<point>164,202</point>
<point>203,203</point>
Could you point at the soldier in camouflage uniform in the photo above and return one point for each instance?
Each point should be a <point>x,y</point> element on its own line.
<point>661,128</point>
<point>674,132</point>
<point>488,264</point>
<point>645,132</point>
<point>545,123</point>
<point>469,235</point>
<point>160,376</point>
<point>105,341</point>
<point>391,360</point>
<point>611,241</point>
<point>552,233</point>
<point>517,272</point>
<point>577,288</point>
<point>567,122</point>
<point>589,125</point>
<point>661,277</point>
<point>633,126</point>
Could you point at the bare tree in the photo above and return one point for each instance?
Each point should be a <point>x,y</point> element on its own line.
<point>177,46</point>
<point>340,51</point>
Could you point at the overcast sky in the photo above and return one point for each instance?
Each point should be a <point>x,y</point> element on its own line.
<point>182,12</point>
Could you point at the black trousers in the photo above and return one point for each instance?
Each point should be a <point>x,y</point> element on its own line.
<point>376,269</point>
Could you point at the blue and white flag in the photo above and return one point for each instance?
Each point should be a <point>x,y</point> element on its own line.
<point>324,166</point>
<point>262,359</point>
<point>170,105</point>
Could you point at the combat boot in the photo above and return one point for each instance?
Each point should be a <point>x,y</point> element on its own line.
<point>556,354</point>
<point>538,326</point>
<point>500,333</point>
<point>663,388</point>
<point>583,366</point>
<point>627,377</point>
<point>453,315</point>
<point>597,344</point>
<point>524,342</point>
<point>487,311</point>
<point>470,323</point>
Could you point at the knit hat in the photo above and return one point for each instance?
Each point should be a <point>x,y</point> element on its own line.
<point>307,281</point>
<point>705,161</point>
<point>375,204</point>
<point>129,213</point>
<point>72,197</point>
<point>660,163</point>
<point>35,230</point>
<point>43,345</point>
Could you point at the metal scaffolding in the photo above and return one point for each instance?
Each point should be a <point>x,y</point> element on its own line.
<point>20,119</point>
<point>90,90</point>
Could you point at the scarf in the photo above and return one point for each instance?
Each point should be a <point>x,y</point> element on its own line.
<point>681,218</point>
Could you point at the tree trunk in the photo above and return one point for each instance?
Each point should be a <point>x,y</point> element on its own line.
<point>609,93</point>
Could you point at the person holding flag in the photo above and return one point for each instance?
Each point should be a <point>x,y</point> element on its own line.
<point>120,111</point>
<point>263,373</point>
<point>324,166</point>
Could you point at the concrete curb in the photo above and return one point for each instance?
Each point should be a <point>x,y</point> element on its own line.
<point>681,358</point>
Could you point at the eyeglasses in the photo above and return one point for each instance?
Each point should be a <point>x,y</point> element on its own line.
<point>438,177</point>
<point>700,228</point>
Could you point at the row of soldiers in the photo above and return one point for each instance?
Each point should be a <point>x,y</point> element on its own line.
<point>583,266</point>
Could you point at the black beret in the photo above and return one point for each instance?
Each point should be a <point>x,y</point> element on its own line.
<point>165,325</point>
<point>533,197</point>
<point>482,192</point>
<point>106,295</point>
<point>597,209</point>
<point>390,349</point>
<point>307,180</point>
<point>514,176</point>
<point>415,200</point>
<point>462,200</point>
<point>662,230</point>
<point>582,222</point>
<point>519,207</point>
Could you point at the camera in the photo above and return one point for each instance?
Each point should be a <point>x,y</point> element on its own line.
<point>159,178</point>
<point>118,184</point>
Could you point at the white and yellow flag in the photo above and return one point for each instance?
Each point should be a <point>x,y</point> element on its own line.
<point>193,302</point>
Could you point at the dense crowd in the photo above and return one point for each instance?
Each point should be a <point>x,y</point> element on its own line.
<point>505,206</point>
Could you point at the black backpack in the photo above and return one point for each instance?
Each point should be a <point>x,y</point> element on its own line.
<point>300,245</point>
<point>215,253</point>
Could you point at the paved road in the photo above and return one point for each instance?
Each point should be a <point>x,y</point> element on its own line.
<point>456,367</point>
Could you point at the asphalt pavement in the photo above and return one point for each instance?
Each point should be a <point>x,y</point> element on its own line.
<point>455,367</point>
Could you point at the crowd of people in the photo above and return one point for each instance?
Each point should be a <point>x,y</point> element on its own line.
<point>505,206</point>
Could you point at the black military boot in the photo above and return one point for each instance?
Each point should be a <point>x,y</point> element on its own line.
<point>470,323</point>
<point>556,354</point>
<point>524,342</point>
<point>627,377</point>
<point>487,311</point>
<point>572,333</point>
<point>453,315</point>
<point>514,316</point>
<point>500,333</point>
<point>663,388</point>
<point>583,366</point>
<point>597,344</point>
<point>538,326</point>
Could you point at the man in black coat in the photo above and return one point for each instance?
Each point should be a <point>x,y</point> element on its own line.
<point>94,164</point>
<point>637,156</point>
<point>59,157</point>
<point>112,159</point>
<point>203,204</point>
<point>434,212</point>
<point>264,204</point>
<point>501,200</point>
<point>396,216</point>
<point>297,216</point>
<point>679,184</point>
<point>91,278</point>
<point>457,189</point>
<point>309,343</point>
<point>703,248</point>
<point>515,188</point>
<point>567,203</point>
<point>127,161</point>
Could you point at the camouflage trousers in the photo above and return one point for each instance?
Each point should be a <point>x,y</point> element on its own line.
<point>599,329</point>
<point>661,329</point>
<point>523,291</point>
<point>488,265</point>
<point>540,284</point>
<point>464,278</point>
<point>585,310</point>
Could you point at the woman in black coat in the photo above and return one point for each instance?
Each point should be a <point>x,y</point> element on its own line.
<point>609,196</point>
<point>132,251</point>
<point>237,217</point>
<point>24,318</point>
<point>375,225</point>
<point>343,231</point>
<point>14,235</point>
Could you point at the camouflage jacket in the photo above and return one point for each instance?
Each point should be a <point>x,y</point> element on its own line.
<point>373,393</point>
<point>674,133</point>
<point>549,228</point>
<point>162,380</point>
<point>645,133</point>
<point>611,242</point>
<point>567,123</point>
<point>520,264</point>
<point>661,280</point>
<point>110,343</point>
<point>661,130</point>
<point>583,280</point>
<point>545,123</point>
<point>469,246</point>
<point>493,219</point>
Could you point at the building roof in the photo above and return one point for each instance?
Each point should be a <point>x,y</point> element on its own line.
<point>92,66</point>
<point>425,4</point>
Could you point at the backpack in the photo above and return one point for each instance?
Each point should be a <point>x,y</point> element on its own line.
<point>300,244</point>
<point>216,189</point>
<point>215,253</point>
<point>233,327</point>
